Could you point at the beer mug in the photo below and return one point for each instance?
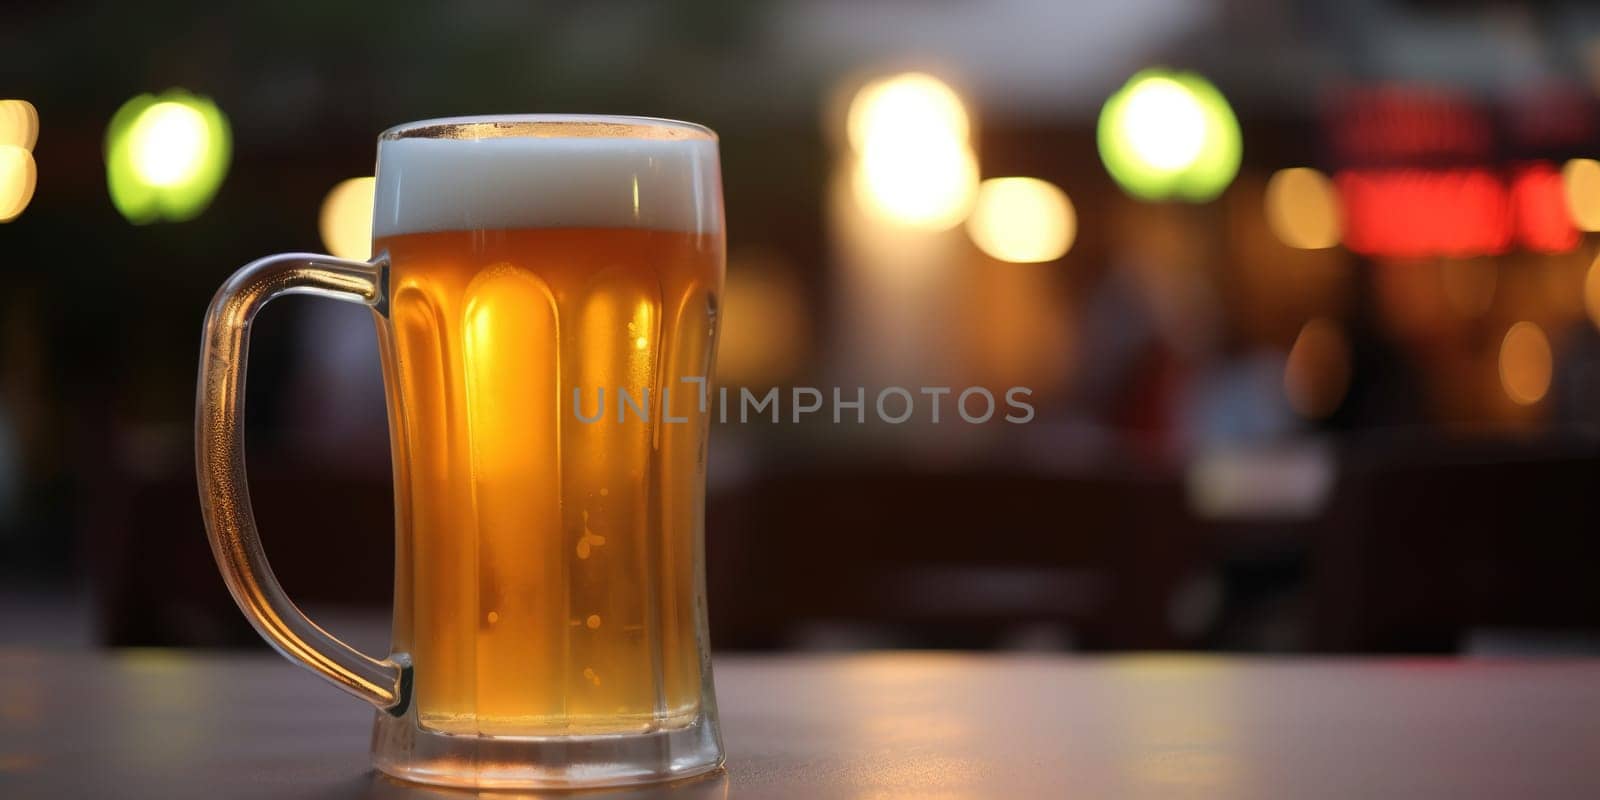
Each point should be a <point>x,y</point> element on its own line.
<point>549,619</point>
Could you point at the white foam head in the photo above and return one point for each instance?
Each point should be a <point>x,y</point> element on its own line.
<point>547,172</point>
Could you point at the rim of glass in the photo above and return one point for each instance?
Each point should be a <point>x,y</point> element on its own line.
<point>550,126</point>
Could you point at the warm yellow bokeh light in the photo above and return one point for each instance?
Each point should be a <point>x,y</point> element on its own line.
<point>1022,220</point>
<point>921,185</point>
<point>1526,363</point>
<point>19,124</point>
<point>17,177</point>
<point>1303,209</point>
<point>346,219</point>
<point>168,144</point>
<point>1164,124</point>
<point>914,164</point>
<point>905,107</point>
<point>1580,180</point>
<point>1317,373</point>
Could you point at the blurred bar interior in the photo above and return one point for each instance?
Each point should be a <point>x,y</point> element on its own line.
<point>1305,293</point>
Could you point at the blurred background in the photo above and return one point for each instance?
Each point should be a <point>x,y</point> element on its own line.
<point>1305,292</point>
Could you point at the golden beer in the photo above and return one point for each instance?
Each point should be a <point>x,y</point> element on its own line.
<point>547,564</point>
<point>545,290</point>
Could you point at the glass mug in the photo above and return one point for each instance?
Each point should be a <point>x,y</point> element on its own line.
<point>549,620</point>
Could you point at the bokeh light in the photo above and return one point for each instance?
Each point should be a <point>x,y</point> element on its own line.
<point>931,190</point>
<point>18,175</point>
<point>1541,209</point>
<point>1580,181</point>
<point>1459,212</point>
<point>1317,372</point>
<point>1303,209</point>
<point>1526,363</point>
<point>168,144</point>
<point>1164,124</point>
<point>1022,220</point>
<point>904,107</point>
<point>346,219</point>
<point>1170,135</point>
<point>1591,292</point>
<point>166,156</point>
<point>914,161</point>
<point>19,124</point>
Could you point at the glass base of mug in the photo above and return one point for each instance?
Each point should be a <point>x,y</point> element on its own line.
<point>404,749</point>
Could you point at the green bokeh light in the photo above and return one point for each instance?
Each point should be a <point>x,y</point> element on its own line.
<point>166,156</point>
<point>1170,135</point>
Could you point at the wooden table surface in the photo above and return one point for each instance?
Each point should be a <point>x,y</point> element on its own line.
<point>170,724</point>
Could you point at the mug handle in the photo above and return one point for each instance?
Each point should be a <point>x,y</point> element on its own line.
<point>219,463</point>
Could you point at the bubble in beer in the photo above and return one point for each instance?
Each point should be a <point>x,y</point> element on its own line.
<point>494,616</point>
<point>587,542</point>
<point>592,676</point>
<point>593,621</point>
<point>639,329</point>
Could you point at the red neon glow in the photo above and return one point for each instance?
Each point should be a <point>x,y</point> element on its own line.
<point>1458,213</point>
<point>1544,224</point>
<point>1414,213</point>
